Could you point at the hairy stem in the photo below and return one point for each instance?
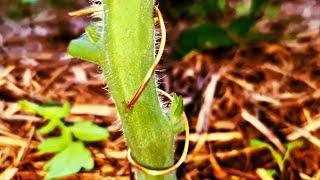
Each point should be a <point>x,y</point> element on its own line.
<point>128,43</point>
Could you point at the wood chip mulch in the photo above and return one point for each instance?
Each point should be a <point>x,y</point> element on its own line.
<point>265,91</point>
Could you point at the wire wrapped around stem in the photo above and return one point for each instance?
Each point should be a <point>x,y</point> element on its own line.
<point>159,172</point>
<point>133,100</point>
<point>149,74</point>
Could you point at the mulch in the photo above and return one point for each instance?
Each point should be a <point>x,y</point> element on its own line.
<point>261,91</point>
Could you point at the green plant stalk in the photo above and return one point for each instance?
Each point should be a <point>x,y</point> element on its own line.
<point>124,49</point>
<point>128,43</point>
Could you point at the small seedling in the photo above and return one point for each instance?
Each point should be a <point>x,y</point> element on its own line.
<point>70,152</point>
<point>238,31</point>
<point>278,157</point>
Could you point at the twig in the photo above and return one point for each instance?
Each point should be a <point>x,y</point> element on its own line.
<point>24,149</point>
<point>263,129</point>
<point>218,171</point>
<point>314,125</point>
<point>8,174</point>
<point>93,109</point>
<point>8,141</point>
<point>206,106</point>
<point>306,134</point>
<point>218,136</point>
<point>54,76</point>
<point>235,153</point>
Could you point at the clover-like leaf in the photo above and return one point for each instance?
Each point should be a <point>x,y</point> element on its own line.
<point>52,145</point>
<point>53,123</point>
<point>69,161</point>
<point>87,131</point>
<point>29,107</point>
<point>48,112</point>
<point>57,144</point>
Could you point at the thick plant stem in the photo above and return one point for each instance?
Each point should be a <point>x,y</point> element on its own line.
<point>128,40</point>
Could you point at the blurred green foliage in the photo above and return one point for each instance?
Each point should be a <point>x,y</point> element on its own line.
<point>278,157</point>
<point>61,3</point>
<point>272,11</point>
<point>18,9</point>
<point>236,31</point>
<point>71,155</point>
<point>205,8</point>
<point>29,1</point>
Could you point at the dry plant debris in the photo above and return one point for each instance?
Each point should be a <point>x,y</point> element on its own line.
<point>276,84</point>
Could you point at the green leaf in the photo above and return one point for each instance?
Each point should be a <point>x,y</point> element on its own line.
<point>53,123</point>
<point>257,7</point>
<point>272,11</point>
<point>242,9</point>
<point>266,37</point>
<point>29,1</point>
<point>66,134</point>
<point>28,106</point>
<point>52,145</point>
<point>48,112</point>
<point>87,131</point>
<point>175,114</point>
<point>69,161</point>
<point>222,4</point>
<point>205,36</point>
<point>85,48</point>
<point>295,144</point>
<point>14,11</point>
<point>56,144</point>
<point>272,172</point>
<point>241,26</point>
<point>258,143</point>
<point>277,156</point>
<point>290,147</point>
<point>201,10</point>
<point>253,10</point>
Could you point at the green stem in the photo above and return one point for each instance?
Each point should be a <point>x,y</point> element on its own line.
<point>128,43</point>
<point>125,52</point>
